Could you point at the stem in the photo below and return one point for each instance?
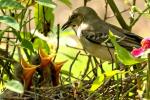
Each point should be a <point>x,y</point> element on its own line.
<point>133,23</point>
<point>85,2</point>
<point>87,67</point>
<point>106,10</point>
<point>58,35</point>
<point>148,78</point>
<point>118,15</point>
<point>122,98</point>
<point>117,87</point>
<point>70,68</point>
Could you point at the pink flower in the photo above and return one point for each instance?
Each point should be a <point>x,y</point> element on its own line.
<point>146,43</point>
<point>137,52</point>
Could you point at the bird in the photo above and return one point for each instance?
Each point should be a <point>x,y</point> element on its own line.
<point>93,33</point>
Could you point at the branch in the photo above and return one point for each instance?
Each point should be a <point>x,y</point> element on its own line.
<point>117,14</point>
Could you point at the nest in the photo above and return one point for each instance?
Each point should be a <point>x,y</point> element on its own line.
<point>108,90</point>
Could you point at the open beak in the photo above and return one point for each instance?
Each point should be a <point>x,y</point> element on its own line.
<point>66,25</point>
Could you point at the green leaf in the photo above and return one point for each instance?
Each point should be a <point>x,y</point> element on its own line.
<point>46,3</point>
<point>10,4</point>
<point>97,82</point>
<point>100,79</point>
<point>122,54</point>
<point>66,2</point>
<point>15,86</point>
<point>27,44</point>
<point>10,21</point>
<point>42,44</point>
<point>109,74</point>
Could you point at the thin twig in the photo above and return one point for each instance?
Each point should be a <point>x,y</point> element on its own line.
<point>87,66</point>
<point>111,16</point>
<point>133,14</point>
<point>58,36</point>
<point>3,11</point>
<point>118,14</point>
<point>7,59</point>
<point>148,78</point>
<point>133,23</point>
<point>99,89</point>
<point>117,86</point>
<point>106,10</point>
<point>74,47</point>
<point>122,97</point>
<point>111,55</point>
<point>71,65</point>
<point>95,68</point>
<point>30,21</point>
<point>85,2</point>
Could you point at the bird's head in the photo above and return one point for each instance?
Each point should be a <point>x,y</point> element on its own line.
<point>78,16</point>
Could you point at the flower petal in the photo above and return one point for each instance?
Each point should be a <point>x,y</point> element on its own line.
<point>146,43</point>
<point>137,52</point>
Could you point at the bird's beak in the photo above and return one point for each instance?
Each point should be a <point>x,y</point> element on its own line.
<point>66,25</point>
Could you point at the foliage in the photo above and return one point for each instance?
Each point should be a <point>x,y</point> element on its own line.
<point>48,69</point>
<point>15,86</point>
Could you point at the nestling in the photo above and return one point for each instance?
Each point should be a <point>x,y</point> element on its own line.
<point>93,33</point>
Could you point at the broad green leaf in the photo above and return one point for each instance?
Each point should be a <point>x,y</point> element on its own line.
<point>27,44</point>
<point>46,3</point>
<point>41,12</point>
<point>66,2</point>
<point>10,21</point>
<point>100,79</point>
<point>122,54</point>
<point>15,86</point>
<point>97,82</point>
<point>42,44</point>
<point>10,4</point>
<point>26,35</point>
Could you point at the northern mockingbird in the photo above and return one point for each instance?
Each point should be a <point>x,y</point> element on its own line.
<point>93,33</point>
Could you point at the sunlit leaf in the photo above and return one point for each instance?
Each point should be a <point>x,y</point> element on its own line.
<point>9,21</point>
<point>122,54</point>
<point>47,3</point>
<point>10,4</point>
<point>27,2</point>
<point>109,74</point>
<point>97,82</point>
<point>15,86</point>
<point>42,44</point>
<point>66,2</point>
<point>27,44</point>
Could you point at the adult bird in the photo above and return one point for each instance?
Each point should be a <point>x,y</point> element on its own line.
<point>93,33</point>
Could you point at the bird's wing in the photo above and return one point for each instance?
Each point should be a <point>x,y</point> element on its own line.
<point>125,32</point>
<point>96,37</point>
<point>127,41</point>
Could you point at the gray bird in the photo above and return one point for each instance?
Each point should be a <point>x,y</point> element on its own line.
<point>93,33</point>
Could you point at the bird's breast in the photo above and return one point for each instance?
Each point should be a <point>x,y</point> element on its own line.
<point>83,26</point>
<point>97,50</point>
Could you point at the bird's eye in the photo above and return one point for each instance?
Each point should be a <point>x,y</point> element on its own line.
<point>74,25</point>
<point>74,16</point>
